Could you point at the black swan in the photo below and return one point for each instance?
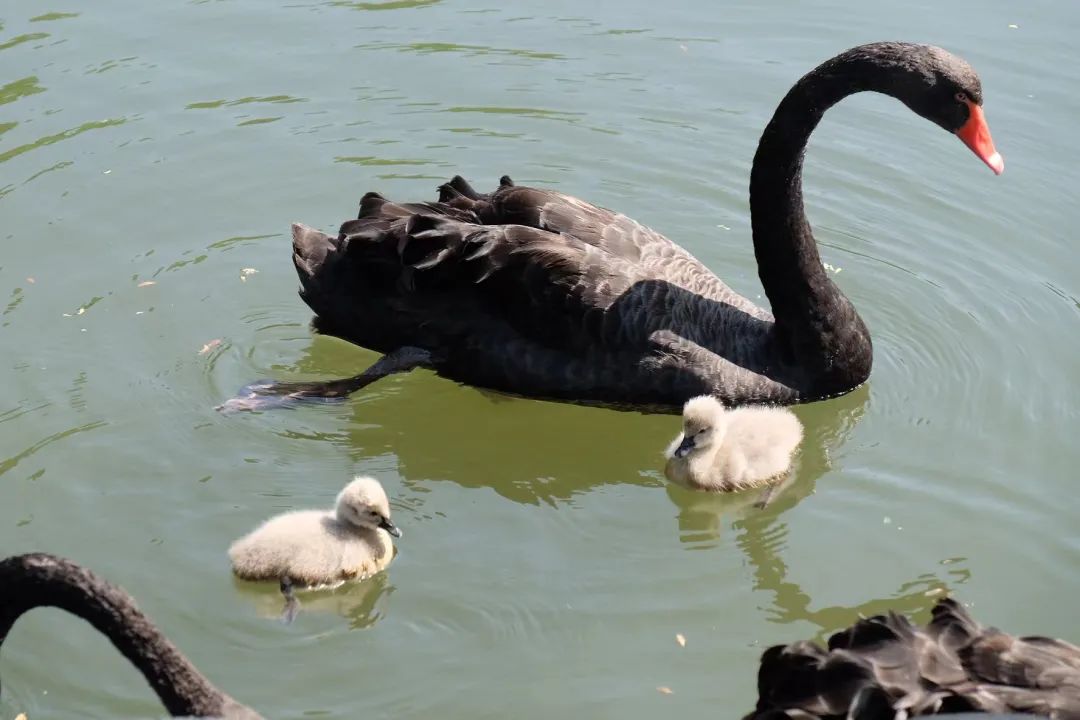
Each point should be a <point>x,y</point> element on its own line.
<point>886,668</point>
<point>536,293</point>
<point>38,580</point>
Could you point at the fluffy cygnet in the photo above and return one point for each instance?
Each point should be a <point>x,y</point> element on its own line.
<point>725,450</point>
<point>317,548</point>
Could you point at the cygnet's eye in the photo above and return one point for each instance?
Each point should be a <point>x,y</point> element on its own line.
<point>701,431</point>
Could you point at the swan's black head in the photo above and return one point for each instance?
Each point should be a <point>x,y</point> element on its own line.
<point>941,87</point>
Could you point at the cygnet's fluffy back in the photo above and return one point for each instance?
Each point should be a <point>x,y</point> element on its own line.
<point>726,450</point>
<point>321,547</point>
<point>767,436</point>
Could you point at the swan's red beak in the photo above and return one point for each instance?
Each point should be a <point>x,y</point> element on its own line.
<point>976,135</point>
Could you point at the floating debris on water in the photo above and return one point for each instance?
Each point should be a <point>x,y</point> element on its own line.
<point>245,272</point>
<point>210,346</point>
<point>664,690</point>
<point>147,283</point>
<point>681,639</point>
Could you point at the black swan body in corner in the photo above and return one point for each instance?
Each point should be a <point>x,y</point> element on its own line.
<point>537,293</point>
<point>886,668</point>
<point>41,580</point>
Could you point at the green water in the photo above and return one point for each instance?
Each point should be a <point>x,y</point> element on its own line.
<point>545,568</point>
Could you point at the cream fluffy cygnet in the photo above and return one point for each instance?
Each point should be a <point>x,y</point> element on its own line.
<point>321,547</point>
<point>725,450</point>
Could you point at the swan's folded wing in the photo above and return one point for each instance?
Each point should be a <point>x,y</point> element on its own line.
<point>550,286</point>
<point>558,213</point>
<point>568,294</point>
<point>616,234</point>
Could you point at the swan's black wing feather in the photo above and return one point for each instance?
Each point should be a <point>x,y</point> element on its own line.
<point>886,667</point>
<point>533,291</point>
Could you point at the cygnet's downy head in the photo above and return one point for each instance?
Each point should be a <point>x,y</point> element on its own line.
<point>704,424</point>
<point>363,503</point>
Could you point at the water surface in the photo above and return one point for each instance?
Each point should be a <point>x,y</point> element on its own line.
<point>545,568</point>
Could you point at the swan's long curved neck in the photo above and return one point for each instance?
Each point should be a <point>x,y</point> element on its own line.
<point>39,580</point>
<point>812,316</point>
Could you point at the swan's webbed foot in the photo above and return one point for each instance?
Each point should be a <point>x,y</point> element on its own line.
<point>765,497</point>
<point>292,605</point>
<point>270,394</point>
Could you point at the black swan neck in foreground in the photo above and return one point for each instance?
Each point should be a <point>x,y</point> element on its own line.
<point>814,320</point>
<point>41,580</point>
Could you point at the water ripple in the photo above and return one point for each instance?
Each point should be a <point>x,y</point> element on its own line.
<point>50,16</point>
<point>16,89</point>
<point>19,410</point>
<point>426,48</point>
<point>388,5</point>
<point>66,134</point>
<point>371,160</point>
<point>20,39</point>
<point>14,460</point>
<point>273,99</point>
<point>540,113</point>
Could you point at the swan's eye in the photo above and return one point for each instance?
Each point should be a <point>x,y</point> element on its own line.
<point>962,97</point>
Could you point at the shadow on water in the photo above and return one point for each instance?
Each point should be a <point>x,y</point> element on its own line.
<point>357,602</point>
<point>534,451</point>
<point>527,451</point>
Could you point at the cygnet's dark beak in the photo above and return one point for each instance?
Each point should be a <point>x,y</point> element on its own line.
<point>390,527</point>
<point>685,446</point>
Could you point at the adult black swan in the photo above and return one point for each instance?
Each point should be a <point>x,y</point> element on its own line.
<point>537,293</point>
<point>40,580</point>
<point>886,668</point>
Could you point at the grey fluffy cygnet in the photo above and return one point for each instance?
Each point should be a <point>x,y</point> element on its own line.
<point>725,450</point>
<point>321,548</point>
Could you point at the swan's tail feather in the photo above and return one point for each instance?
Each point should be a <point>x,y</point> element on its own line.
<point>380,250</point>
<point>787,676</point>
<point>432,241</point>
<point>311,249</point>
<point>462,187</point>
<point>952,626</point>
